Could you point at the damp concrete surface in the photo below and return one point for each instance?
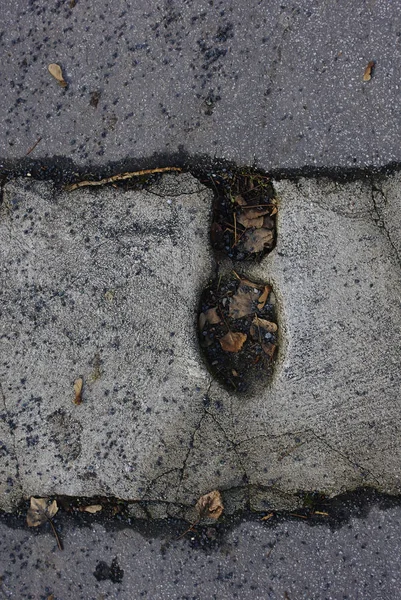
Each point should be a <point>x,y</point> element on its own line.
<point>104,285</point>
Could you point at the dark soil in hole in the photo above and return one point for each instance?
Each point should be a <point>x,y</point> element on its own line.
<point>238,331</point>
<point>244,215</point>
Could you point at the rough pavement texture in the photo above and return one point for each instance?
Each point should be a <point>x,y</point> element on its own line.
<point>330,419</point>
<point>105,284</point>
<point>253,561</point>
<point>278,85</point>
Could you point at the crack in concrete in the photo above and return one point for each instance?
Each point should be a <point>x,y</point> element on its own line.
<point>238,456</point>
<point>153,482</point>
<point>379,219</point>
<point>182,469</point>
<point>354,463</point>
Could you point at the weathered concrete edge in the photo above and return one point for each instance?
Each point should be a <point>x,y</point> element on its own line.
<point>248,497</point>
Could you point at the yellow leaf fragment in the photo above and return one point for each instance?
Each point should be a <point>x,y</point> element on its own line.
<point>94,508</point>
<point>233,342</point>
<point>367,76</point>
<point>78,383</point>
<point>56,72</point>
<point>267,517</point>
<point>210,505</point>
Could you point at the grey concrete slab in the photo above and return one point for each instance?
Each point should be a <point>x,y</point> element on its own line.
<point>329,419</point>
<point>254,560</point>
<point>102,286</point>
<point>266,83</point>
<point>105,284</point>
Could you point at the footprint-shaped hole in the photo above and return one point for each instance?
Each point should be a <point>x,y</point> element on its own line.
<point>238,331</point>
<point>244,215</point>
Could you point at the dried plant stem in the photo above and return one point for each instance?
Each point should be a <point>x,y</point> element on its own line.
<point>119,177</point>
<point>56,535</point>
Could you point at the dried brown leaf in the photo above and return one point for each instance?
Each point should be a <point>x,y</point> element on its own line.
<point>247,222</point>
<point>258,240</point>
<point>233,341</point>
<point>264,296</point>
<point>240,200</point>
<point>269,349</point>
<point>267,325</point>
<point>56,72</point>
<point>367,76</point>
<point>78,383</point>
<point>211,316</point>
<point>250,284</point>
<point>268,222</point>
<point>210,505</point>
<point>94,508</point>
<point>241,304</point>
<point>40,511</point>
<point>256,211</point>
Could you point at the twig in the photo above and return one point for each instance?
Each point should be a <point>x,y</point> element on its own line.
<point>34,146</point>
<point>119,177</point>
<point>191,528</point>
<point>56,535</point>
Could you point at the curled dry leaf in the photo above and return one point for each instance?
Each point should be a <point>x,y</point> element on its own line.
<point>267,325</point>
<point>269,349</point>
<point>210,505</point>
<point>78,383</point>
<point>211,316</point>
<point>248,222</point>
<point>264,296</point>
<point>233,342</point>
<point>94,508</point>
<point>367,76</point>
<point>57,73</point>
<point>255,212</point>
<point>256,241</point>
<point>241,304</point>
<point>40,511</point>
